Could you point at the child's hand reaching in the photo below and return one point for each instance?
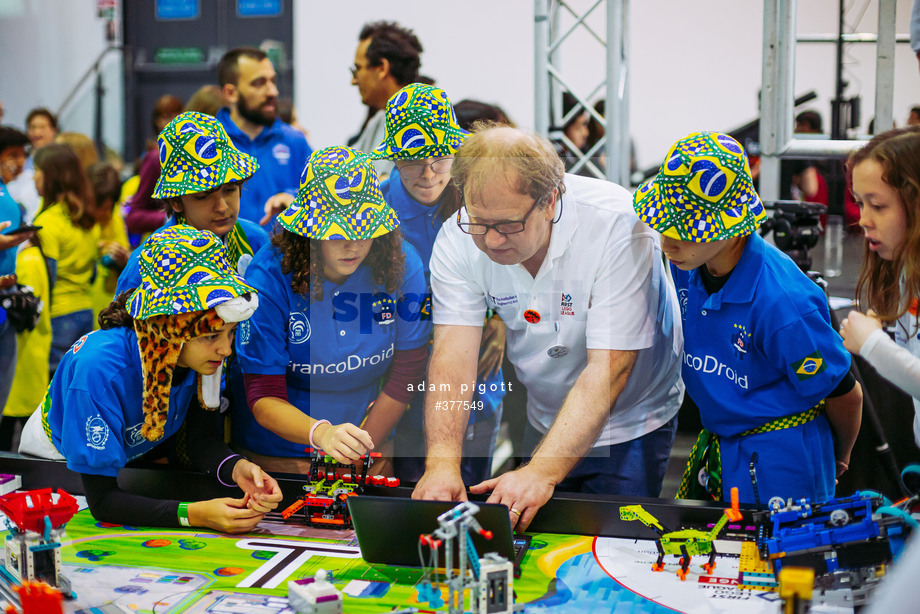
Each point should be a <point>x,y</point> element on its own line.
<point>856,328</point>
<point>345,442</point>
<point>262,491</point>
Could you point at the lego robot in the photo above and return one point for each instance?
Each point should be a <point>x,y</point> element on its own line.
<point>684,543</point>
<point>32,550</point>
<point>329,486</point>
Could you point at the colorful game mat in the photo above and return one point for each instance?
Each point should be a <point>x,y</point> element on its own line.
<point>124,569</point>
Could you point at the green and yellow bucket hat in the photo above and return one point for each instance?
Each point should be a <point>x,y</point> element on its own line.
<point>703,192</point>
<point>184,270</point>
<point>420,123</point>
<point>196,155</point>
<point>188,289</point>
<point>339,198</point>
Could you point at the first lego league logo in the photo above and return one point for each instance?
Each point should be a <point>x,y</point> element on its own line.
<point>565,308</point>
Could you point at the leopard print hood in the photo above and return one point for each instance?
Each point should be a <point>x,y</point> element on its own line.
<point>160,339</point>
<point>188,289</point>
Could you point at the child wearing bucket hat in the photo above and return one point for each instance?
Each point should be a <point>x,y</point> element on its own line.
<point>422,135</point>
<point>159,347</point>
<point>769,374</point>
<point>340,338</point>
<point>201,180</point>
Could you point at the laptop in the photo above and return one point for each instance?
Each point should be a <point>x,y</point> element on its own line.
<point>388,530</point>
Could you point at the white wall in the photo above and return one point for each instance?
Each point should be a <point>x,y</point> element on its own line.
<point>483,50</point>
<point>45,47</point>
<point>693,65</point>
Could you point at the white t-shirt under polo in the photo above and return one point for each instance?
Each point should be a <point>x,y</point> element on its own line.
<point>602,285</point>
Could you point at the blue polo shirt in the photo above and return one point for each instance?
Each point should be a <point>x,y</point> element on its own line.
<point>10,211</point>
<point>759,349</point>
<point>417,222</point>
<point>282,153</point>
<point>130,277</point>
<point>420,226</point>
<point>355,330</point>
<point>96,424</point>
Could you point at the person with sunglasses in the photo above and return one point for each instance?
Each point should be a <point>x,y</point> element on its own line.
<point>421,137</point>
<point>593,326</point>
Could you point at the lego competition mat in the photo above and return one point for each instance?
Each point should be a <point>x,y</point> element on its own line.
<point>124,569</point>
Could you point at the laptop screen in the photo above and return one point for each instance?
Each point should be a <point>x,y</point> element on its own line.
<point>388,529</point>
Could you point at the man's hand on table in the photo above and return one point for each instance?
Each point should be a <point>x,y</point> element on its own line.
<point>524,490</point>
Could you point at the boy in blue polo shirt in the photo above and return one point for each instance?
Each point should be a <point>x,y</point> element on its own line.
<point>769,374</point>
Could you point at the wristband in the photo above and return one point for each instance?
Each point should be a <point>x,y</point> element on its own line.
<point>183,515</point>
<point>313,430</point>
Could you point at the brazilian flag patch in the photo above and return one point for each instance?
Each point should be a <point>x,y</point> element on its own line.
<point>45,408</point>
<point>809,366</point>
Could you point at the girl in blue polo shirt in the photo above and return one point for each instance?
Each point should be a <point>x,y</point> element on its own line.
<point>340,335</point>
<point>202,176</point>
<point>159,347</point>
<point>761,361</point>
<point>421,137</point>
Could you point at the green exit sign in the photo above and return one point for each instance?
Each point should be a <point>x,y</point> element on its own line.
<point>179,55</point>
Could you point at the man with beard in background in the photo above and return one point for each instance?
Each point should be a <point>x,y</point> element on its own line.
<point>249,84</point>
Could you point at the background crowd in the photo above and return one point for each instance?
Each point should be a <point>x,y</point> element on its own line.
<point>76,226</point>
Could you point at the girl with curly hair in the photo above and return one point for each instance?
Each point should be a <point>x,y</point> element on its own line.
<point>341,335</point>
<point>886,185</point>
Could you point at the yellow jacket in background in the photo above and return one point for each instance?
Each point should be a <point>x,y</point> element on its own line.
<point>33,347</point>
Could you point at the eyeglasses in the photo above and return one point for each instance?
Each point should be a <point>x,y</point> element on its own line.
<point>414,170</point>
<point>502,228</point>
<point>354,70</point>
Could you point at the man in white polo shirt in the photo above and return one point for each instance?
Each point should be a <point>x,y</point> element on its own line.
<point>593,327</point>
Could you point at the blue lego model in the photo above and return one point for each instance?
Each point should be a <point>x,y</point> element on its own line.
<point>839,534</point>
